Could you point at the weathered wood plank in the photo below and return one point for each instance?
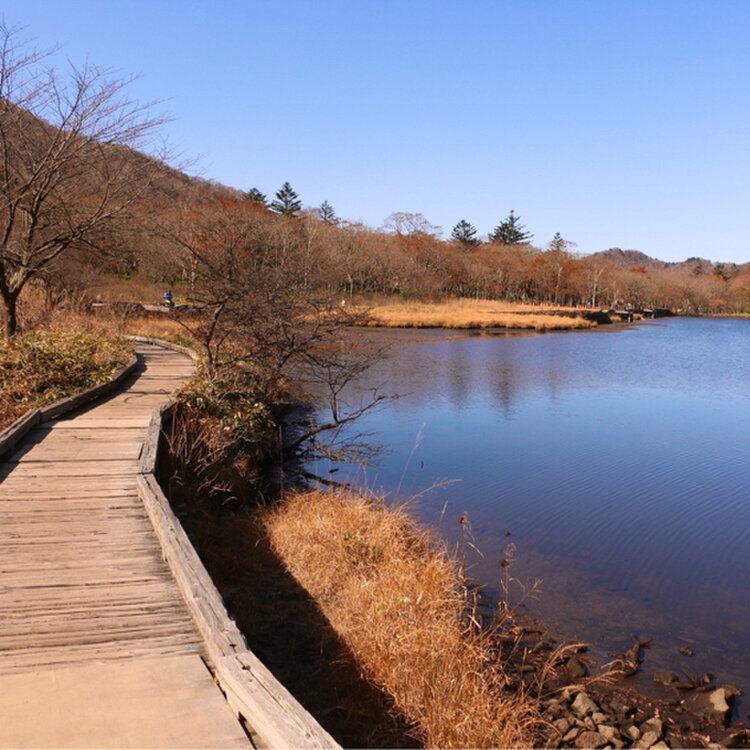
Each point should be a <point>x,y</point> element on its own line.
<point>15,433</point>
<point>83,576</point>
<point>147,462</point>
<point>251,690</point>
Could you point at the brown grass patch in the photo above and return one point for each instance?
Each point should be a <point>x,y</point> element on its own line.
<point>462,313</point>
<point>42,366</point>
<point>159,326</point>
<point>398,601</point>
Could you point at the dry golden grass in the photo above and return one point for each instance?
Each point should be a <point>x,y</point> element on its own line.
<point>399,603</point>
<point>158,326</point>
<point>462,313</point>
<point>41,366</point>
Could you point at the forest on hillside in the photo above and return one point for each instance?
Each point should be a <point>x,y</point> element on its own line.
<point>333,258</point>
<point>89,199</point>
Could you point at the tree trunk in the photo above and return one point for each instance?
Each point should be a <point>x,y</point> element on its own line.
<point>10,314</point>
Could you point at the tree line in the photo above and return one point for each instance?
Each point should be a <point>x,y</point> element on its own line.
<point>80,198</point>
<point>407,257</point>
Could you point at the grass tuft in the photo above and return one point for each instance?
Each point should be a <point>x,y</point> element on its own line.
<point>400,604</point>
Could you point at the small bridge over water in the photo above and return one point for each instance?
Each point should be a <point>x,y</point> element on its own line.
<point>97,645</point>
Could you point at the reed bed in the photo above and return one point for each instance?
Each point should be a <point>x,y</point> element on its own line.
<point>400,604</point>
<point>42,366</point>
<point>465,314</point>
<point>159,325</point>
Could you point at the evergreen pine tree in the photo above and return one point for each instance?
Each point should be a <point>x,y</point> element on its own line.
<point>255,195</point>
<point>511,231</point>
<point>558,244</point>
<point>327,214</point>
<point>465,233</point>
<point>287,202</point>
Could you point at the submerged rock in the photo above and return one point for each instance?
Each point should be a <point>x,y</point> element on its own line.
<point>665,678</point>
<point>715,705</point>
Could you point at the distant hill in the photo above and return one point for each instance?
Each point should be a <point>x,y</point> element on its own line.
<point>637,259</point>
<point>630,258</point>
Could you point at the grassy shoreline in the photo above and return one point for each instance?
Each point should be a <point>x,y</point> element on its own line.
<point>469,314</point>
<point>398,600</point>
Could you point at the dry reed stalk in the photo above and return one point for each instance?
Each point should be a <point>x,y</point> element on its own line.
<point>162,327</point>
<point>474,314</point>
<point>398,601</point>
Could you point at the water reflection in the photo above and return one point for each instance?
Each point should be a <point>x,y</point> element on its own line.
<point>619,461</point>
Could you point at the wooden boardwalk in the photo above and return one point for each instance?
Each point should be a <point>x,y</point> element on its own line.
<point>97,648</point>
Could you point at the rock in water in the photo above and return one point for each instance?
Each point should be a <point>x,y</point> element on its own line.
<point>576,668</point>
<point>716,704</point>
<point>665,678</point>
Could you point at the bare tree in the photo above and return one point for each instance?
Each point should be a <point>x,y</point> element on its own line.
<point>403,223</point>
<point>268,335</point>
<point>67,170</point>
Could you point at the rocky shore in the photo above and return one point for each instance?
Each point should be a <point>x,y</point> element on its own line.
<point>585,705</point>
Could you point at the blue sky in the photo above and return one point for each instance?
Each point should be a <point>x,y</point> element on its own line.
<point>618,124</point>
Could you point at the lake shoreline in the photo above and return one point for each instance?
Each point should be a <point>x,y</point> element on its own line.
<point>681,713</point>
<point>467,314</point>
<point>531,404</point>
<point>581,702</point>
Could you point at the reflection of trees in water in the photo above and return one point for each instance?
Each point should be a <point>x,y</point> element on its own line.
<point>459,370</point>
<point>503,384</point>
<point>555,375</point>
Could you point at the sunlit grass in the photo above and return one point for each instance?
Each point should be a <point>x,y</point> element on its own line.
<point>159,326</point>
<point>399,603</point>
<point>462,313</point>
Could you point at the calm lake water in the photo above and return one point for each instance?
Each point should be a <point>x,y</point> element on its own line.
<point>618,460</point>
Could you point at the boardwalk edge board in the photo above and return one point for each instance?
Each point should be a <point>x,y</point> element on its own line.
<point>13,434</point>
<point>251,690</point>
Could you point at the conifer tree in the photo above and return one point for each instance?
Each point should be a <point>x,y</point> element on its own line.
<point>327,214</point>
<point>511,231</point>
<point>287,202</point>
<point>255,195</point>
<point>465,233</point>
<point>558,244</point>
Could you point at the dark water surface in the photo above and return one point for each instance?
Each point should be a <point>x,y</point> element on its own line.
<point>618,460</point>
